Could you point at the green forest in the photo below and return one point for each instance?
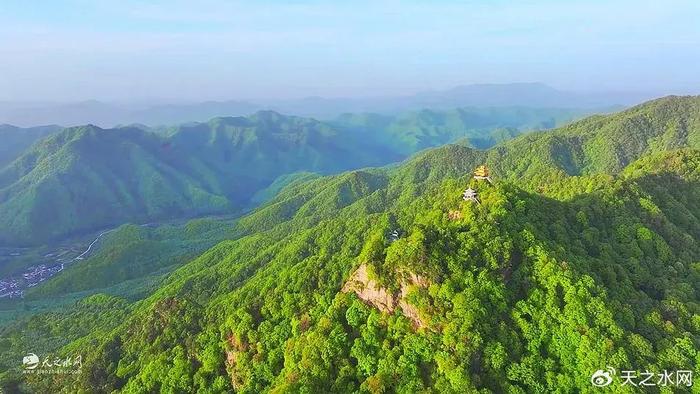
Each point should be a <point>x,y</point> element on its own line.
<point>581,252</point>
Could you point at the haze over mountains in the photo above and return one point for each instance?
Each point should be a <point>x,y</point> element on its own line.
<point>104,114</point>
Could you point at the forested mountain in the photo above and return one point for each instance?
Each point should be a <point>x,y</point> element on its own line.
<point>14,140</point>
<point>602,144</point>
<point>133,253</point>
<point>88,178</point>
<point>584,253</point>
<point>480,127</point>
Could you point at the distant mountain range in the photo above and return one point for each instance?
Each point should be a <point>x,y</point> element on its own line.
<point>532,95</point>
<point>482,128</point>
<point>85,178</point>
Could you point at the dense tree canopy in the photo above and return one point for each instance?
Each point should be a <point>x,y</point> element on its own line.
<point>570,263</point>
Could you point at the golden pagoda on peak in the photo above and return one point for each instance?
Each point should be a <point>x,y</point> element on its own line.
<point>482,172</point>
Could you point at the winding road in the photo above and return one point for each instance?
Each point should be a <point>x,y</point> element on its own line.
<point>91,245</point>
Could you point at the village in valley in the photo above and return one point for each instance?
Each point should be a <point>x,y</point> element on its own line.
<point>49,262</point>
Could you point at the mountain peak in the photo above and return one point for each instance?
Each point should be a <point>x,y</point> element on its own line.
<point>268,114</point>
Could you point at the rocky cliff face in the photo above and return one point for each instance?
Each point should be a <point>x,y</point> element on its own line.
<point>372,293</point>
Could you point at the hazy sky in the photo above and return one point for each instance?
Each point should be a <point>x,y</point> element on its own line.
<point>211,49</point>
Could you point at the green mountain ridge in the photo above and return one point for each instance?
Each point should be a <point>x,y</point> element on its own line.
<point>481,127</point>
<point>133,252</point>
<point>87,178</point>
<point>16,140</point>
<point>581,255</point>
<point>540,160</point>
<point>609,143</point>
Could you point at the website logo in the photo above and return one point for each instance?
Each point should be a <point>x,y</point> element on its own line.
<point>602,378</point>
<point>34,364</point>
<point>30,361</point>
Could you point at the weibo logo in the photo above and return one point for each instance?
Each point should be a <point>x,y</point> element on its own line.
<point>602,378</point>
